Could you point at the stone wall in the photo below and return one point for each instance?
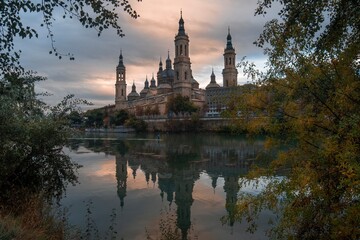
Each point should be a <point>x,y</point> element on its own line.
<point>187,124</point>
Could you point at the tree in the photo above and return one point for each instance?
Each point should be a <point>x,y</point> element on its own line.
<point>33,134</point>
<point>180,104</point>
<point>94,118</point>
<point>120,117</point>
<point>75,118</point>
<point>138,124</point>
<point>97,14</point>
<point>309,97</point>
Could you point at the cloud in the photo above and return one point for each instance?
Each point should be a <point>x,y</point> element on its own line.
<point>92,74</point>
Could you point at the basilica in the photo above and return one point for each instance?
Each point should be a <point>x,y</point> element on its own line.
<point>175,78</point>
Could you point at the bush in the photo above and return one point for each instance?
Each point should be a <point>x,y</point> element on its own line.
<point>32,137</point>
<point>138,124</point>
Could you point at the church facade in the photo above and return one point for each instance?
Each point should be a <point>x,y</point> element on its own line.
<point>176,78</point>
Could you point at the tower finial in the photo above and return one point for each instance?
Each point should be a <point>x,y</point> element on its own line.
<point>168,54</point>
<point>181,25</point>
<point>228,38</point>
<point>121,63</point>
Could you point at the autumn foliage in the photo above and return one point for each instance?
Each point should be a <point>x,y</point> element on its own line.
<point>309,101</point>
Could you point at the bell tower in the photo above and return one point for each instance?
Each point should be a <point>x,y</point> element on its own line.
<point>182,64</point>
<point>120,85</point>
<point>229,72</point>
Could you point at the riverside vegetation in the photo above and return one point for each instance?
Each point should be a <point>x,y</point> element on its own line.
<point>34,169</point>
<point>309,96</point>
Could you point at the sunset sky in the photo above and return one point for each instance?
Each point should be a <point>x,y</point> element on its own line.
<point>92,75</point>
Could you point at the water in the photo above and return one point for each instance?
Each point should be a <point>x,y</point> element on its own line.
<point>183,182</point>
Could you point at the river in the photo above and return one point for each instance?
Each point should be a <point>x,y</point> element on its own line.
<point>147,186</point>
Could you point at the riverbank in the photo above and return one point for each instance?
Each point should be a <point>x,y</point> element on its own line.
<point>189,125</point>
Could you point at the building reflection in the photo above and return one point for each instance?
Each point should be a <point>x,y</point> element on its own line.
<point>176,163</point>
<point>121,177</point>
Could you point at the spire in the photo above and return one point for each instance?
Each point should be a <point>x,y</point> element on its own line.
<point>212,77</point>
<point>168,61</point>
<point>181,25</point>
<point>152,82</point>
<point>212,83</point>
<point>133,87</point>
<point>121,63</point>
<point>146,83</point>
<point>160,65</point>
<point>228,38</point>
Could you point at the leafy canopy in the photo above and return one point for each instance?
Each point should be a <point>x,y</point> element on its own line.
<point>33,134</point>
<point>309,97</point>
<point>96,14</point>
<point>180,104</point>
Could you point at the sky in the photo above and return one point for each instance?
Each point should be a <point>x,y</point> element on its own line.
<point>92,75</point>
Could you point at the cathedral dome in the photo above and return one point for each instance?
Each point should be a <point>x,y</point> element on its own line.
<point>164,88</point>
<point>151,92</point>
<point>168,73</point>
<point>212,85</point>
<point>144,92</point>
<point>133,95</point>
<point>194,83</point>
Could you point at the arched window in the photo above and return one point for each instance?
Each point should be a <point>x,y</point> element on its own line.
<point>177,75</point>
<point>230,61</point>
<point>177,53</point>
<point>181,50</point>
<point>186,51</point>
<point>122,92</point>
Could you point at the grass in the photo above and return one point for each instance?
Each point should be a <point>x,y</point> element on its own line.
<point>34,220</point>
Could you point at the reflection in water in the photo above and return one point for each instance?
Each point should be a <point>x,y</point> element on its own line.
<point>121,177</point>
<point>175,163</point>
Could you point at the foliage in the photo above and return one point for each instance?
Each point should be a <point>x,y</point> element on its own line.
<point>32,137</point>
<point>96,14</point>
<point>310,95</point>
<point>94,118</point>
<point>180,104</point>
<point>37,221</point>
<point>120,117</point>
<point>138,124</point>
<point>75,118</point>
